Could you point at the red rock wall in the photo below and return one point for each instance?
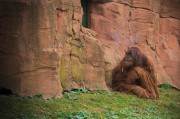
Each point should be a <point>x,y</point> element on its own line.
<point>82,60</point>
<point>151,25</point>
<point>45,50</point>
<point>29,56</point>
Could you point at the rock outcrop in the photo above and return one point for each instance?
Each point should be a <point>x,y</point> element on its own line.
<point>45,50</point>
<point>151,25</point>
<point>29,55</point>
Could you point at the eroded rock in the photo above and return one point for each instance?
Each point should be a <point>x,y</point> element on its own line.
<point>45,50</point>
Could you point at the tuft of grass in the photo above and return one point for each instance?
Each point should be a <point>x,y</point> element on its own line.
<point>166,86</point>
<point>100,104</point>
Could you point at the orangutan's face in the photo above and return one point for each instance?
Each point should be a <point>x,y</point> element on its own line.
<point>128,61</point>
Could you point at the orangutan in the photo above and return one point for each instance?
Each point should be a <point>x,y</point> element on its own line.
<point>135,75</point>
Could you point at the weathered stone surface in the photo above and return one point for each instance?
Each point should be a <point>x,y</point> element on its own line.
<point>143,4</point>
<point>121,24</point>
<point>169,43</point>
<point>29,58</point>
<point>170,9</point>
<point>82,62</point>
<point>112,59</point>
<point>45,50</point>
<point>83,67</point>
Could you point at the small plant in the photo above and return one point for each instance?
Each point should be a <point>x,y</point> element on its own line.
<point>95,115</point>
<point>166,86</point>
<point>173,105</point>
<point>100,91</point>
<point>84,90</point>
<point>38,96</point>
<point>68,95</point>
<point>74,115</point>
<point>111,115</point>
<point>82,115</point>
<point>78,91</point>
<point>62,115</point>
<point>14,93</point>
<point>53,98</point>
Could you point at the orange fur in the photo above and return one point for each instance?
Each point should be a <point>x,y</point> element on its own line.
<point>135,75</point>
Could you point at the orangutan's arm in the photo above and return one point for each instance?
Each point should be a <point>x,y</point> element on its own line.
<point>132,76</point>
<point>151,70</point>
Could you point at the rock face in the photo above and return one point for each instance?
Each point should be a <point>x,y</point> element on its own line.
<point>45,50</point>
<point>29,55</point>
<point>151,25</point>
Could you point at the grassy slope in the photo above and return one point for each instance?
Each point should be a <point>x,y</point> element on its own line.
<point>97,105</point>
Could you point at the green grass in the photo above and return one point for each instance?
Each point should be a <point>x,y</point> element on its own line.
<point>92,105</point>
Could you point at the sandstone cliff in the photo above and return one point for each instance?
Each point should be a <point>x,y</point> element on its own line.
<point>45,50</point>
<point>151,25</point>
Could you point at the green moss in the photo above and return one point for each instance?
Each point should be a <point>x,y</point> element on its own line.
<point>77,70</point>
<point>63,73</point>
<point>73,66</point>
<point>70,24</point>
<point>82,54</point>
<point>77,67</point>
<point>166,86</point>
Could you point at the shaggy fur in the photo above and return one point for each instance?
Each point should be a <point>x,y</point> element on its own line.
<point>135,75</point>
